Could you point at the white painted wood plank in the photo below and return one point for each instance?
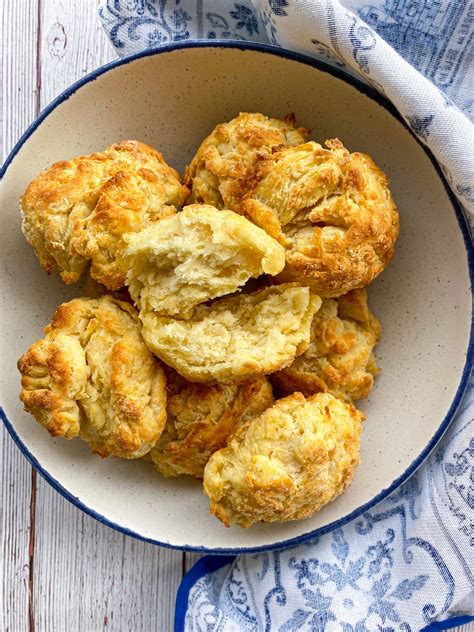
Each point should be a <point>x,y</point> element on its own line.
<point>89,577</point>
<point>72,44</point>
<point>15,535</point>
<point>18,108</point>
<point>19,95</point>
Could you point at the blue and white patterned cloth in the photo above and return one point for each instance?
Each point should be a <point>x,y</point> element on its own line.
<point>409,561</point>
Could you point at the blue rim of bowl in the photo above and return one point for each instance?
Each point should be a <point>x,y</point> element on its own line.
<point>378,98</point>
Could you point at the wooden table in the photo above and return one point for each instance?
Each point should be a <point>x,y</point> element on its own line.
<point>63,571</point>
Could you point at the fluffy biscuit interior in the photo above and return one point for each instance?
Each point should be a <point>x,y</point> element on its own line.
<point>199,254</point>
<point>236,337</point>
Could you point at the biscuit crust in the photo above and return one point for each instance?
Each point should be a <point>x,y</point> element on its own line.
<point>339,359</point>
<point>333,212</point>
<point>93,376</point>
<point>225,164</point>
<point>288,463</point>
<point>236,337</point>
<point>201,418</point>
<point>76,213</point>
<point>198,254</point>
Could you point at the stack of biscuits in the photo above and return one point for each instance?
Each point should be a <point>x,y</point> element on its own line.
<point>231,334</point>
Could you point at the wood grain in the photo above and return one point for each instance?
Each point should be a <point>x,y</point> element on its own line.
<point>72,43</point>
<point>61,570</point>
<point>19,28</point>
<point>89,577</point>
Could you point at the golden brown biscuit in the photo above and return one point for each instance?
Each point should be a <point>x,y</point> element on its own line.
<point>93,376</point>
<point>339,359</point>
<point>237,337</point>
<point>225,164</point>
<point>76,212</point>
<point>286,464</point>
<point>196,255</point>
<point>201,418</point>
<point>333,212</point>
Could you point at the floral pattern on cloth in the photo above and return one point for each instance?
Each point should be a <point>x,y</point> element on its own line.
<point>133,25</point>
<point>408,561</point>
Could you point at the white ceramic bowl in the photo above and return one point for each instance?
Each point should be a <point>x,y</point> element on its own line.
<point>172,98</point>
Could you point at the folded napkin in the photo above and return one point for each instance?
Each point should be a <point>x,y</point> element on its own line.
<point>408,562</point>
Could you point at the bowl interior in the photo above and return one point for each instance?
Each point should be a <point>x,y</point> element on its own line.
<point>172,100</point>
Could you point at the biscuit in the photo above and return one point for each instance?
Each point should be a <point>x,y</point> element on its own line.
<point>286,464</point>
<point>225,164</point>
<point>201,418</point>
<point>93,376</point>
<point>76,212</point>
<point>333,212</point>
<point>196,255</point>
<point>339,359</point>
<point>236,337</point>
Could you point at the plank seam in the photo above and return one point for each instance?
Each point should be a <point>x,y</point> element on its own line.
<point>31,552</point>
<point>32,536</point>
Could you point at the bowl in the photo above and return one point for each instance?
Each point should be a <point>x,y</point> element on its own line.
<point>172,98</point>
